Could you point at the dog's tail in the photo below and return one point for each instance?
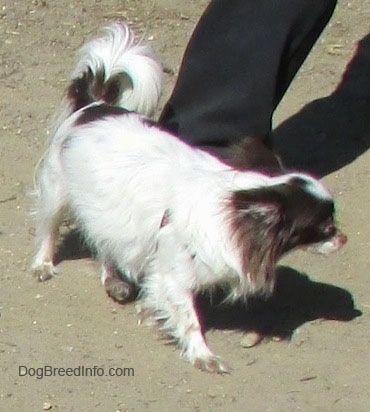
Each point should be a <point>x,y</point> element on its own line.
<point>116,70</point>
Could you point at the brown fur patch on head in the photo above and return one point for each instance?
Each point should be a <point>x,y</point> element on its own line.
<point>253,226</point>
<point>268,222</point>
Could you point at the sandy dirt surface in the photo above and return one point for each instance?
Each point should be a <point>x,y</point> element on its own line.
<point>321,305</point>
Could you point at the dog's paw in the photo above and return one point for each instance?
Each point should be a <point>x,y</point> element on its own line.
<point>211,364</point>
<point>146,315</point>
<point>251,339</point>
<point>44,271</point>
<point>119,290</point>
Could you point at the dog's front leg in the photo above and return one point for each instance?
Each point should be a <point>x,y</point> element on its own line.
<point>168,298</point>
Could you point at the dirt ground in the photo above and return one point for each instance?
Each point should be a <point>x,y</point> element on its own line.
<point>321,305</point>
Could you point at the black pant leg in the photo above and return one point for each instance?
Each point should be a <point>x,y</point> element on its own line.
<point>239,62</point>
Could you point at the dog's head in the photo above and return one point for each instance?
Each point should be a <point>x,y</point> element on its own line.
<point>294,211</point>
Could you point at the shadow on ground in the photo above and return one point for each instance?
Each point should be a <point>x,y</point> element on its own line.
<point>296,300</point>
<point>331,132</point>
<point>72,246</point>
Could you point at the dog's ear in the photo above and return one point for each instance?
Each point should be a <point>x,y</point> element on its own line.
<point>260,219</point>
<point>259,230</point>
<point>263,204</point>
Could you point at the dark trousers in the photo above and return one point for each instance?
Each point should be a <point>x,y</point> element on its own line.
<point>238,64</point>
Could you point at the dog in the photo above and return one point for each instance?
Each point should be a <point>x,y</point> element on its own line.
<point>163,217</point>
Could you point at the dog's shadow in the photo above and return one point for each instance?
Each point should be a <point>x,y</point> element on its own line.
<point>296,300</point>
<point>330,132</point>
<point>72,246</point>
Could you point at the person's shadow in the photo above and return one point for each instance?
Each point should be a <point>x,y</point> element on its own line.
<point>324,136</point>
<point>331,132</point>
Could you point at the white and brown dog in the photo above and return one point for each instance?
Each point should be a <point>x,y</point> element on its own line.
<point>163,216</point>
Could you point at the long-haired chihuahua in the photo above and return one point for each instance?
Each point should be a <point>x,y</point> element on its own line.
<point>165,217</point>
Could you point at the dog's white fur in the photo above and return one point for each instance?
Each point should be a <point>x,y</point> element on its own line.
<point>155,208</point>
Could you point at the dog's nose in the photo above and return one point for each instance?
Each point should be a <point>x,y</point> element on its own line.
<point>341,238</point>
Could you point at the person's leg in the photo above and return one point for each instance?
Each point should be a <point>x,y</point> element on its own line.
<point>238,64</point>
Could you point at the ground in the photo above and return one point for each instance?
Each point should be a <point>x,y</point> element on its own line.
<point>321,305</point>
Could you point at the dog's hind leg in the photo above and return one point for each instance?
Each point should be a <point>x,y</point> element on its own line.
<point>116,286</point>
<point>49,213</point>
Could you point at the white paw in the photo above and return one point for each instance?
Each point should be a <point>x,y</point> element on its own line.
<point>44,271</point>
<point>211,364</point>
<point>147,315</point>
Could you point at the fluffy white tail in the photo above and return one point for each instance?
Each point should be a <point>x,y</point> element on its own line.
<point>116,70</point>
